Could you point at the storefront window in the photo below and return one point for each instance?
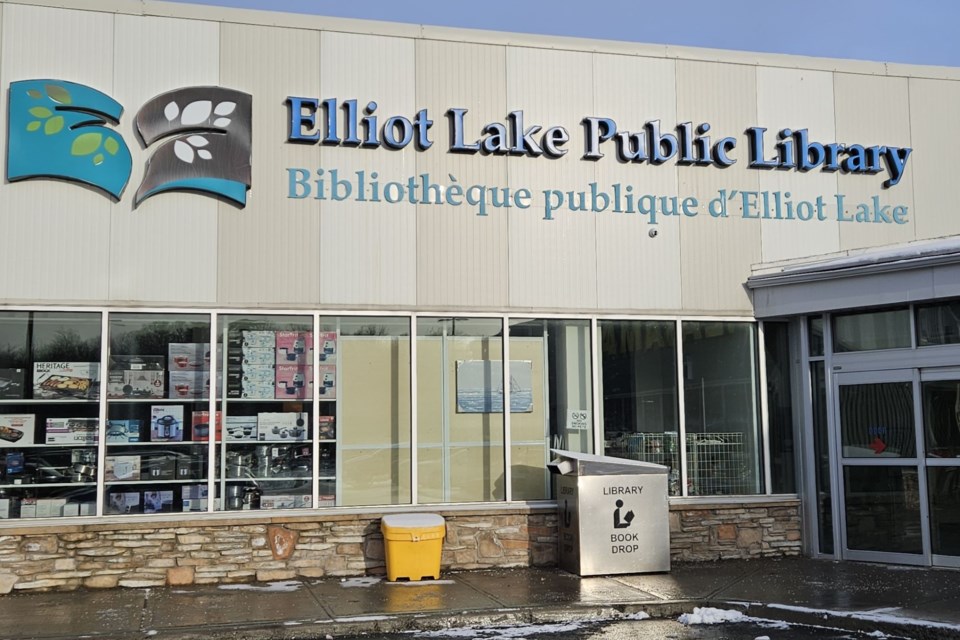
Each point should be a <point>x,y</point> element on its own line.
<point>373,393</point>
<point>460,410</point>
<point>157,384</point>
<point>720,398</point>
<point>821,452</point>
<point>550,394</point>
<point>776,339</point>
<point>49,425</point>
<point>265,443</point>
<point>638,383</point>
<point>815,334</point>
<point>938,323</point>
<point>871,330</point>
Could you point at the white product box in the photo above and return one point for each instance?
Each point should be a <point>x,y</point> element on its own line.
<point>58,380</point>
<point>259,339</point>
<point>127,502</point>
<point>123,431</point>
<point>4,508</point>
<point>88,508</point>
<point>72,431</point>
<point>71,509</point>
<point>129,383</point>
<point>121,468</point>
<point>240,428</point>
<point>166,423</point>
<point>16,429</point>
<point>282,427</point>
<point>189,356</point>
<point>278,502</point>
<point>50,507</point>
<point>194,497</point>
<point>189,385</point>
<point>28,508</point>
<point>258,374</point>
<point>252,356</point>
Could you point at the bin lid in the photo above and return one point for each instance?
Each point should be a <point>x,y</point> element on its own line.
<point>573,463</point>
<point>412,520</point>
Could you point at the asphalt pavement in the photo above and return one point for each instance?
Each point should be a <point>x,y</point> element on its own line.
<point>898,601</point>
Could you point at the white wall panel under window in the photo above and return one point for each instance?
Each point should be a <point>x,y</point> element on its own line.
<point>461,256</point>
<point>630,273</point>
<point>169,229</point>
<point>56,240</point>
<point>874,110</point>
<point>717,252</point>
<point>933,119</point>
<point>812,110</point>
<point>368,250</point>
<point>268,251</point>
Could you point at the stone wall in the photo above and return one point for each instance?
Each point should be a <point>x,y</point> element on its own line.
<point>254,548</point>
<point>718,531</point>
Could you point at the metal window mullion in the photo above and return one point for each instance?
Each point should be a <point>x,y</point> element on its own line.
<point>831,402</point>
<point>315,403</point>
<point>505,380</point>
<point>212,408</point>
<point>414,432</point>
<point>102,411</point>
<point>681,410</point>
<point>764,409</point>
<point>595,369</point>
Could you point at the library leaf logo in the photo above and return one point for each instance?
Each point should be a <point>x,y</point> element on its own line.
<point>56,130</point>
<point>203,136</point>
<point>208,150</point>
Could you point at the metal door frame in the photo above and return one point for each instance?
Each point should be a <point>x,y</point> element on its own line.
<point>933,375</point>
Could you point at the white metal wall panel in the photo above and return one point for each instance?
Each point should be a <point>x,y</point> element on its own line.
<point>717,252</point>
<point>630,273</point>
<point>552,262</point>
<point>56,240</point>
<point>933,120</point>
<point>461,256</point>
<point>874,110</point>
<point>153,56</point>
<point>268,251</point>
<point>368,253</point>
<point>797,99</point>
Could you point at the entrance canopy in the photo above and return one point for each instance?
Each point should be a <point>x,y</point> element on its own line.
<point>887,275</point>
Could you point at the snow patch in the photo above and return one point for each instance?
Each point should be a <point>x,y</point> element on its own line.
<point>281,587</point>
<point>503,633</point>
<point>709,615</point>
<point>292,623</point>
<point>639,615</point>
<point>877,634</point>
<point>871,616</point>
<point>360,582</point>
<point>362,619</point>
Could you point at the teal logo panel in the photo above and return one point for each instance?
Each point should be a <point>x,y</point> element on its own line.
<point>56,130</point>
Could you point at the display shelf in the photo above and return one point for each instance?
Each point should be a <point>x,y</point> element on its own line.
<point>51,445</point>
<point>35,485</point>
<point>115,483</point>
<point>48,401</point>
<point>158,400</point>
<point>173,443</point>
<point>300,400</point>
<point>271,479</point>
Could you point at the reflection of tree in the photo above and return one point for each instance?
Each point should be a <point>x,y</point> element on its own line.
<point>12,357</point>
<point>68,346</point>
<point>371,330</point>
<point>154,338</point>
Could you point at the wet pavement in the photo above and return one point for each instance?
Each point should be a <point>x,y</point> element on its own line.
<point>858,597</point>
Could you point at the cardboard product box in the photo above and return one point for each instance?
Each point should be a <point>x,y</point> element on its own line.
<point>257,356</point>
<point>71,509</point>
<point>241,428</point>
<point>50,507</point>
<point>282,427</point>
<point>66,380</point>
<point>294,382</point>
<point>303,502</point>
<point>194,497</point>
<point>121,468</point>
<point>88,508</point>
<point>16,429</point>
<point>4,508</point>
<point>326,428</point>
<point>200,426</point>
<point>166,423</point>
<point>278,502</point>
<point>72,431</point>
<point>158,467</point>
<point>294,347</point>
<point>28,508</point>
<point>189,385</point>
<point>123,502</point>
<point>327,346</point>
<point>189,468</point>
<point>327,381</point>
<point>11,383</point>
<point>128,383</point>
<point>123,431</point>
<point>189,356</point>
<point>13,464</point>
<point>157,501</point>
<point>259,339</point>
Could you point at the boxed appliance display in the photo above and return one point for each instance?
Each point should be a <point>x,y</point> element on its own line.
<point>327,381</point>
<point>166,423</point>
<point>251,381</point>
<point>135,377</point>
<point>157,501</point>
<point>251,356</point>
<point>72,431</point>
<point>327,345</point>
<point>294,382</point>
<point>123,431</point>
<point>280,427</point>
<point>66,380</point>
<point>278,502</point>
<point>294,347</point>
<point>326,428</point>
<point>50,507</point>
<point>241,428</point>
<point>194,497</point>
<point>200,426</point>
<point>327,500</point>
<point>28,508</point>
<point>158,467</point>
<point>13,464</point>
<point>11,383</point>
<point>71,509</point>
<point>122,502</point>
<point>189,385</point>
<point>259,339</point>
<point>16,429</point>
<point>121,468</point>
<point>189,356</point>
<point>189,468</point>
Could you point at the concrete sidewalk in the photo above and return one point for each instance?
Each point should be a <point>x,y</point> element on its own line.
<point>910,602</point>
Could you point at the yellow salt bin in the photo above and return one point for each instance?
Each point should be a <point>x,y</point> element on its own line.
<point>413,543</point>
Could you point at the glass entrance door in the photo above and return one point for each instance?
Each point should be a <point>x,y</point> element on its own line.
<point>882,510</point>
<point>940,396</point>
